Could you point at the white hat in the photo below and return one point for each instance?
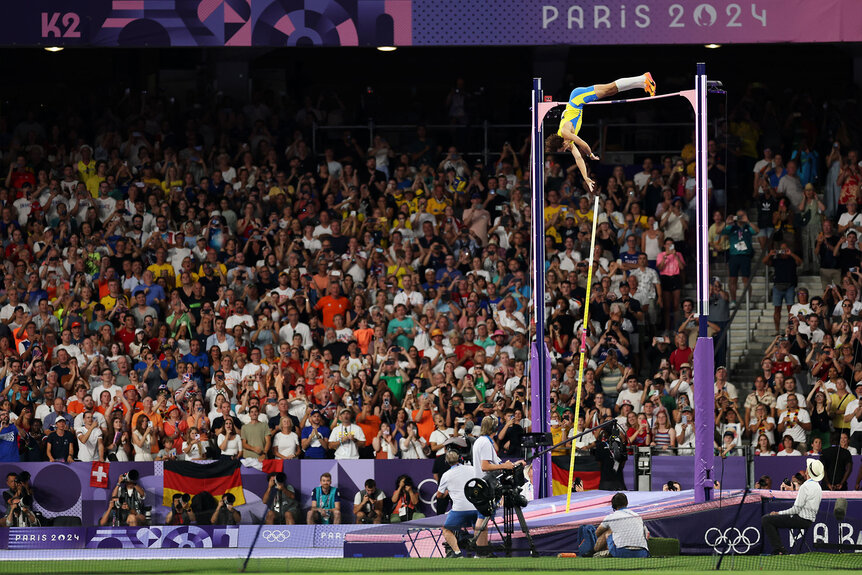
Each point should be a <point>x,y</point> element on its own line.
<point>815,469</point>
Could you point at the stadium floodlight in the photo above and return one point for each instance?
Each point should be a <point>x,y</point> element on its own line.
<point>53,48</point>
<point>387,48</point>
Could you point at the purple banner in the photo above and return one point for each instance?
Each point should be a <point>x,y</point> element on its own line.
<point>47,537</point>
<point>64,489</point>
<point>780,467</point>
<point>730,471</point>
<point>166,537</point>
<point>296,536</point>
<point>208,23</point>
<point>275,23</point>
<point>714,530</point>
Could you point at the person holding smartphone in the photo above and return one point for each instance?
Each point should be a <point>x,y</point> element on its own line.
<point>685,430</point>
<point>143,438</point>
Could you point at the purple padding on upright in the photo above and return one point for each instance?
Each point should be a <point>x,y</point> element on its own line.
<point>540,407</point>
<point>704,407</point>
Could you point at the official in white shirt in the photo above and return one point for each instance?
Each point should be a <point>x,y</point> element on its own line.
<point>803,512</point>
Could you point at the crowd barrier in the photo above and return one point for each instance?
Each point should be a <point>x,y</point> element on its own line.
<point>742,535</point>
<point>67,490</point>
<point>180,536</point>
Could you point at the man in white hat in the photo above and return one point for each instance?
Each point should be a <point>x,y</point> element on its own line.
<point>803,512</point>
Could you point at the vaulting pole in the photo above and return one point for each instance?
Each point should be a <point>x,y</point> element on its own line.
<point>584,327</point>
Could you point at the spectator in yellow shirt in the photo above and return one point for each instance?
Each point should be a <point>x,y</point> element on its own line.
<point>163,268</point>
<point>437,203</point>
<point>115,297</point>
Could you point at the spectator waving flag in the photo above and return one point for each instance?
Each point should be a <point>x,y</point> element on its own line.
<point>217,478</point>
<point>99,474</point>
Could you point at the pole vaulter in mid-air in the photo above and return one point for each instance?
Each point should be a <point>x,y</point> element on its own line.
<point>570,123</point>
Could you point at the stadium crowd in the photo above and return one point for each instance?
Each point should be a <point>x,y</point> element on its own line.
<point>225,291</point>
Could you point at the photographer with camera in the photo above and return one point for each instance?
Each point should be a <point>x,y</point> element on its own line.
<point>225,513</point>
<point>127,503</point>
<point>368,503</point>
<point>280,497</point>
<point>784,263</point>
<point>20,513</point>
<point>181,510</point>
<point>18,499</point>
<point>405,498</point>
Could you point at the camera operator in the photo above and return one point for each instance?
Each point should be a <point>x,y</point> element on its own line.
<point>485,459</point>
<point>485,456</point>
<point>463,513</point>
<point>283,507</point>
<point>225,513</point>
<point>610,453</point>
<point>368,503</point>
<point>181,510</point>
<point>127,503</point>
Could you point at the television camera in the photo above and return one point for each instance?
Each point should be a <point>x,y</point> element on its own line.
<point>488,492</point>
<point>504,487</point>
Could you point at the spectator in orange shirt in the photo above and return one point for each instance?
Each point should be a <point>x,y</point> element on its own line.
<point>332,304</point>
<point>363,335</point>
<point>424,416</point>
<point>132,397</point>
<point>76,405</point>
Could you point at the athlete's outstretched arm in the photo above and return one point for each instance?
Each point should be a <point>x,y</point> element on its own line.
<point>582,166</point>
<point>585,148</point>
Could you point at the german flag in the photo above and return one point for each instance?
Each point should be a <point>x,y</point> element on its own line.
<point>587,468</point>
<point>218,478</point>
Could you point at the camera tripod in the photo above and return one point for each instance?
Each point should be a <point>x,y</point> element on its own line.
<point>510,510</point>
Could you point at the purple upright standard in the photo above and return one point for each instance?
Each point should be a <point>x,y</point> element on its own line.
<point>704,360</point>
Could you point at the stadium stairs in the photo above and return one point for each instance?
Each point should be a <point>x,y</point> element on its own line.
<point>745,356</point>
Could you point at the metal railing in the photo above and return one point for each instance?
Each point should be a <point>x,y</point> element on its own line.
<point>621,140</point>
<point>643,456</point>
<point>746,295</point>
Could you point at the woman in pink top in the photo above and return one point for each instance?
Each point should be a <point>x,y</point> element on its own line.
<point>670,265</point>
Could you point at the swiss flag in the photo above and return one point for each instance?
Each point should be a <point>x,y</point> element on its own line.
<point>99,474</point>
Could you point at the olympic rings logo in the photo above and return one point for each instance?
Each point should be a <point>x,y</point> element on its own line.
<point>732,540</point>
<point>275,536</point>
<point>433,482</point>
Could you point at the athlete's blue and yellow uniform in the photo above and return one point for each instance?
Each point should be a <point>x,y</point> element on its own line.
<point>575,107</point>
